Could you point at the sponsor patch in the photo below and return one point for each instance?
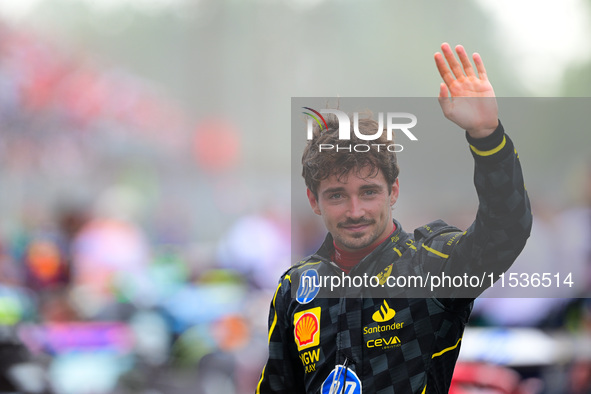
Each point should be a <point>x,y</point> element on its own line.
<point>309,286</point>
<point>339,377</point>
<point>306,329</point>
<point>383,276</point>
<point>384,343</point>
<point>383,314</point>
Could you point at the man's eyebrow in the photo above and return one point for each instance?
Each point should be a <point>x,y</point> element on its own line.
<point>371,186</point>
<point>337,189</point>
<point>340,189</point>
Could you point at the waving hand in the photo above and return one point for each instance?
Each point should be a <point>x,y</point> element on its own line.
<point>472,104</point>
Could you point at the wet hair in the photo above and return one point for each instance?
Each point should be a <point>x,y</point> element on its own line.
<point>319,165</point>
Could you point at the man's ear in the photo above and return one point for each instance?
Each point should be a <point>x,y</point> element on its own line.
<point>313,202</point>
<point>394,192</point>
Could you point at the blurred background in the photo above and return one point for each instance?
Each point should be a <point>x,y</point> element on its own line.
<point>145,187</point>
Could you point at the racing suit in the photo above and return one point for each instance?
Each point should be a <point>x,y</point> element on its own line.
<point>353,339</point>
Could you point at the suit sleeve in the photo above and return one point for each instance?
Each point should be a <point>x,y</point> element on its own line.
<point>503,220</point>
<point>283,372</point>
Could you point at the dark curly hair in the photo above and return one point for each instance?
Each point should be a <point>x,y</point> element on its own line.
<point>318,165</point>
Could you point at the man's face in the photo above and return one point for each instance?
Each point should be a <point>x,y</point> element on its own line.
<point>357,209</point>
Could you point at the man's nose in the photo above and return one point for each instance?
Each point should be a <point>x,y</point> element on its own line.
<point>356,209</point>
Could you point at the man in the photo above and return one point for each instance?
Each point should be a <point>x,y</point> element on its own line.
<point>356,339</point>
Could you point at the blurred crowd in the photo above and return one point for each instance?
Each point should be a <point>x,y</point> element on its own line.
<point>103,289</point>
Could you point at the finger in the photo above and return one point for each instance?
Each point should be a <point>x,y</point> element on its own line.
<point>468,70</point>
<point>443,91</point>
<point>480,67</point>
<point>443,98</point>
<point>455,67</point>
<point>444,71</point>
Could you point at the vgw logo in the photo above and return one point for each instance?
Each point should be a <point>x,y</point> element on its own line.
<point>345,129</point>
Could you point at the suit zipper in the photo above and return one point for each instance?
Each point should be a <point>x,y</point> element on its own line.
<point>337,378</point>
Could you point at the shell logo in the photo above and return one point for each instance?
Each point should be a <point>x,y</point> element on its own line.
<point>307,328</point>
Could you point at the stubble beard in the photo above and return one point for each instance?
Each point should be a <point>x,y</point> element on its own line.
<point>358,240</point>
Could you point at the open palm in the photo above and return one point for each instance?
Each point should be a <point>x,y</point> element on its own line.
<point>472,104</point>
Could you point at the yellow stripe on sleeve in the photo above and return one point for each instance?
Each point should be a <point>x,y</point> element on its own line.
<point>275,315</point>
<point>260,381</point>
<point>489,152</point>
<point>435,252</point>
<point>447,350</point>
<point>270,333</point>
<point>310,263</point>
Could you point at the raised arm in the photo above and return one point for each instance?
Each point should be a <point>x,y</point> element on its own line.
<point>503,220</point>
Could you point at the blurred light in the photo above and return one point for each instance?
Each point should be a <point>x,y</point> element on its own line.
<point>541,41</point>
<point>17,9</point>
<point>10,311</point>
<point>44,259</point>
<point>304,5</point>
<point>217,145</point>
<point>231,332</point>
<point>58,338</point>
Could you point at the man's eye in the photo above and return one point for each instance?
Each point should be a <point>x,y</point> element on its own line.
<point>370,192</point>
<point>335,196</point>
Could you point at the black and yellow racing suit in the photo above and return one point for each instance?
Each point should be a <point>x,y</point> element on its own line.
<point>398,341</point>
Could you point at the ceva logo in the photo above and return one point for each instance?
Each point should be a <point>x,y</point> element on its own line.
<point>383,314</point>
<point>345,129</point>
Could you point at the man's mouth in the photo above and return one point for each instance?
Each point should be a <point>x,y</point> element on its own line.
<point>355,226</point>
